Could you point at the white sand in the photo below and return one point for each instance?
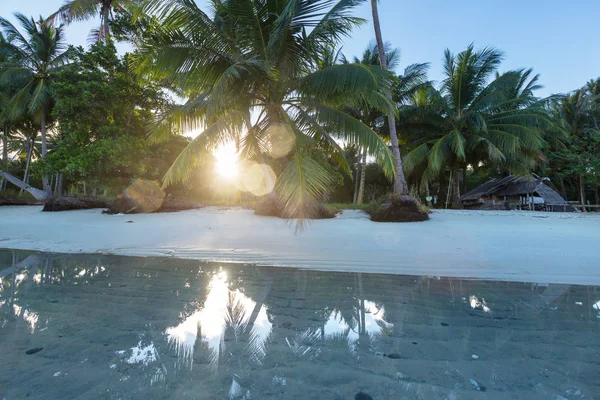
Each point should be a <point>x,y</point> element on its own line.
<point>515,246</point>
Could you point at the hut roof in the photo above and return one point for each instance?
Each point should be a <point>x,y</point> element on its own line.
<point>516,186</point>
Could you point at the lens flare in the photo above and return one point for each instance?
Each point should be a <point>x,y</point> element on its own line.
<point>258,179</point>
<point>281,140</point>
<point>147,196</point>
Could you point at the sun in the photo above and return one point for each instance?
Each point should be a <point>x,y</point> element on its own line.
<point>226,161</point>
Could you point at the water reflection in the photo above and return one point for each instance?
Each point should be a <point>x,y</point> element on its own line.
<point>224,310</point>
<point>369,321</point>
<point>148,328</point>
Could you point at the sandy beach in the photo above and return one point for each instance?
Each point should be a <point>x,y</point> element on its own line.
<point>513,246</point>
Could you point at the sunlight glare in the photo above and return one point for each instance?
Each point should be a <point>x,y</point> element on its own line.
<point>226,161</point>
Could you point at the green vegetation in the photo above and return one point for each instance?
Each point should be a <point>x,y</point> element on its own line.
<point>267,77</point>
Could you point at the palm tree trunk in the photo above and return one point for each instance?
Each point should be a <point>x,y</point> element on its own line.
<point>4,153</point>
<point>597,195</point>
<point>427,195</point>
<point>400,185</point>
<point>456,203</point>
<point>363,177</point>
<point>356,179</point>
<point>563,189</point>
<point>464,180</point>
<point>29,151</point>
<point>36,193</point>
<point>582,193</point>
<point>105,30</point>
<point>59,184</point>
<point>45,185</point>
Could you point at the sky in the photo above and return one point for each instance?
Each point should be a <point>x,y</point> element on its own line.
<point>559,39</point>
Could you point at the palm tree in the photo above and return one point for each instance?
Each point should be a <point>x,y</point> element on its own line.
<point>251,78</point>
<point>470,121</point>
<point>32,61</point>
<point>576,116</point>
<point>84,10</point>
<point>400,185</point>
<point>413,77</point>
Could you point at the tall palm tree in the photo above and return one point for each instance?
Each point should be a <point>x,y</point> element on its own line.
<point>84,10</point>
<point>251,78</point>
<point>400,185</point>
<point>472,120</point>
<point>32,60</point>
<point>413,77</point>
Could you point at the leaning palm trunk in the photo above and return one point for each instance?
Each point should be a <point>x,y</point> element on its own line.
<point>400,185</point>
<point>36,193</point>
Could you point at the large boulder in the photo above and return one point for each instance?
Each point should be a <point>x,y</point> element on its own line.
<point>141,196</point>
<point>399,208</point>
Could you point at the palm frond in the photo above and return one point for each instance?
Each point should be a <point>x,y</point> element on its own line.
<point>354,132</point>
<point>301,187</point>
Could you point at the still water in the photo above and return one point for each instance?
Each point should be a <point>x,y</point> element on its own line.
<point>107,327</point>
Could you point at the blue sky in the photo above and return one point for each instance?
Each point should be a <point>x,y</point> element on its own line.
<point>558,38</point>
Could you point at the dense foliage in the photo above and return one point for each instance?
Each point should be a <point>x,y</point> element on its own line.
<point>104,112</point>
<point>269,77</point>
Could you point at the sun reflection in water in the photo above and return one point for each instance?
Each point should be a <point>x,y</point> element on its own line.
<point>479,305</point>
<point>211,321</point>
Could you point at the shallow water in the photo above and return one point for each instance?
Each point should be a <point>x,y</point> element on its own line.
<point>141,328</point>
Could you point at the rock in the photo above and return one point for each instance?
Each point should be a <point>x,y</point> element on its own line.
<point>279,381</point>
<point>287,324</point>
<point>362,396</point>
<point>399,208</point>
<point>129,222</point>
<point>414,343</point>
<point>34,350</point>
<point>394,356</point>
<point>141,196</point>
<point>444,324</point>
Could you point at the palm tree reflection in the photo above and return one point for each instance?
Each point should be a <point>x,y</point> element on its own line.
<point>227,319</point>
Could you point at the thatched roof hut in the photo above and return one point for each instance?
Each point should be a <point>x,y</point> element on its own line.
<point>516,192</point>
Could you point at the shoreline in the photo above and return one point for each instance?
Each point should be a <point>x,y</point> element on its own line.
<point>493,245</point>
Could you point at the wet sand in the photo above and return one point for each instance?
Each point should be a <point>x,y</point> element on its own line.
<point>513,246</point>
<point>146,328</point>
